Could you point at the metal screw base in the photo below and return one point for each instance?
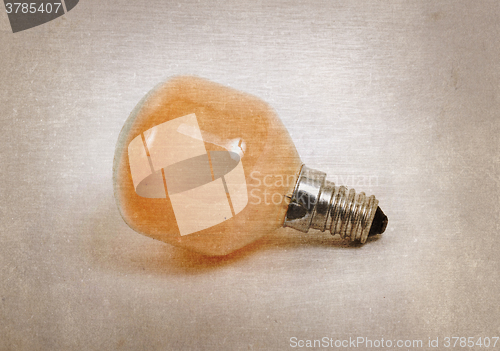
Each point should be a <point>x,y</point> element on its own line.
<point>319,204</point>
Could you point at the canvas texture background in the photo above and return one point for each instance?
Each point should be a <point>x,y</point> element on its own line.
<point>395,98</point>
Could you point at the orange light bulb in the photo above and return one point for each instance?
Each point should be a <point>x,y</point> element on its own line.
<point>205,167</point>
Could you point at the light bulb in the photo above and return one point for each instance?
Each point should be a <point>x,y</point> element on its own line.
<point>205,167</point>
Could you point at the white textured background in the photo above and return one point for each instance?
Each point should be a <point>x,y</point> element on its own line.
<point>407,93</point>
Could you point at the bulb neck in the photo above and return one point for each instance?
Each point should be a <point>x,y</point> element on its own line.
<point>317,203</point>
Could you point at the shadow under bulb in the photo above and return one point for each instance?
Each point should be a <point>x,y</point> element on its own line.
<point>205,167</point>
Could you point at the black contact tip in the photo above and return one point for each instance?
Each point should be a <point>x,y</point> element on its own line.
<point>379,223</point>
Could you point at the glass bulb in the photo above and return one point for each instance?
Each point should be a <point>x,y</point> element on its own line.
<point>205,167</point>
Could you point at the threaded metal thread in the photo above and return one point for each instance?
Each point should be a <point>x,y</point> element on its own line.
<point>350,215</point>
<point>319,204</point>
